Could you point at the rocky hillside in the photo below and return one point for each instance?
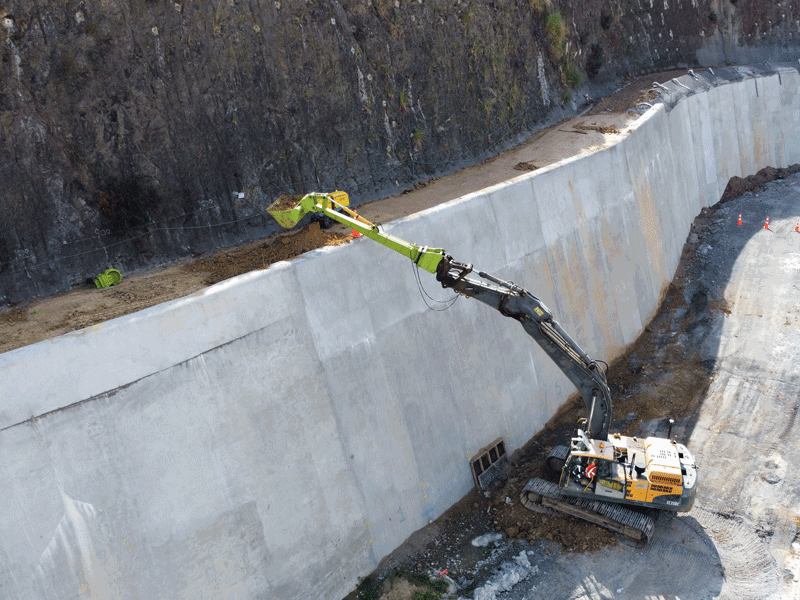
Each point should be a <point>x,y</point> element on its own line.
<point>138,131</point>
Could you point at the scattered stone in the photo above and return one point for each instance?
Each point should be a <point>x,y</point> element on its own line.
<point>486,539</point>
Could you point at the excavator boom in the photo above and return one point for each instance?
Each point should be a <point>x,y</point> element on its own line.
<point>536,319</point>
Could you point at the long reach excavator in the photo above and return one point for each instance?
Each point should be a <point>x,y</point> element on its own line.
<point>611,480</point>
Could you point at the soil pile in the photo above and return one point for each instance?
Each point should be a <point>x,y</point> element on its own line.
<point>738,185</point>
<point>224,265</point>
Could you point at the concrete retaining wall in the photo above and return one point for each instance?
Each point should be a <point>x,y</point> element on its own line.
<point>274,436</point>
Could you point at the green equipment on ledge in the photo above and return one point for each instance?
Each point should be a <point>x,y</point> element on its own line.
<point>109,278</point>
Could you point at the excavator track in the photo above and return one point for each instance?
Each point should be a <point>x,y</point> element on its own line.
<point>633,525</point>
<point>556,459</point>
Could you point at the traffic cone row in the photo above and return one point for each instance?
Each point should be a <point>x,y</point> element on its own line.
<point>766,224</point>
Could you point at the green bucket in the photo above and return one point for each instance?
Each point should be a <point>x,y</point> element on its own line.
<point>108,278</point>
<point>287,211</point>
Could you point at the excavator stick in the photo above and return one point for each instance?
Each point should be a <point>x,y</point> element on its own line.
<point>288,210</point>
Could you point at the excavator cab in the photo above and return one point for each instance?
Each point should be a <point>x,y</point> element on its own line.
<point>577,472</point>
<point>582,471</point>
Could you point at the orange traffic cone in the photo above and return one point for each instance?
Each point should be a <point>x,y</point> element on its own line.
<point>740,219</point>
<point>797,227</point>
<point>766,224</point>
<point>357,234</point>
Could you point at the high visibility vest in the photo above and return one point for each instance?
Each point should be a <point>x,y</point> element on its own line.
<point>591,470</point>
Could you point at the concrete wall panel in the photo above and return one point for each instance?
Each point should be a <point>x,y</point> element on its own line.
<point>515,212</point>
<point>776,94</point>
<point>724,106</point>
<point>140,344</point>
<point>685,177</point>
<point>642,154</point>
<point>276,435</point>
<point>786,121</point>
<point>703,124</point>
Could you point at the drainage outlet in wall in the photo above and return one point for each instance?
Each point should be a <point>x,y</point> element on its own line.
<point>488,463</point>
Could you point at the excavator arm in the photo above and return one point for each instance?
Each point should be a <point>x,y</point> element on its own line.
<point>536,319</point>
<point>505,297</point>
<point>288,214</point>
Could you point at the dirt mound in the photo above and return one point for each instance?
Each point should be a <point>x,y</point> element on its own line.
<point>224,265</point>
<point>633,92</point>
<point>738,185</point>
<point>595,127</point>
<point>16,315</point>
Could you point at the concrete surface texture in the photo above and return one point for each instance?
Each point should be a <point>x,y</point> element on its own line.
<point>277,434</point>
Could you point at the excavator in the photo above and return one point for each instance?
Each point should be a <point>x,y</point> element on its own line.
<point>612,480</point>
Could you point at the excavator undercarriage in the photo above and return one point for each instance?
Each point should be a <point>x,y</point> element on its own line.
<point>636,527</point>
<point>546,497</point>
